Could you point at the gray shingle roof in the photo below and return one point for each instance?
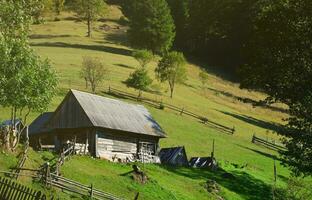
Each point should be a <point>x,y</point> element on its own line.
<point>37,125</point>
<point>114,114</point>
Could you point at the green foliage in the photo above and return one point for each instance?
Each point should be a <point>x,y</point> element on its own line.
<point>40,9</point>
<point>215,30</point>
<point>94,72</point>
<point>89,10</point>
<point>171,68</point>
<point>151,24</point>
<point>143,57</point>
<point>58,6</point>
<point>25,80</point>
<point>15,18</point>
<point>280,64</point>
<point>139,80</point>
<point>180,13</point>
<point>296,189</point>
<point>203,76</point>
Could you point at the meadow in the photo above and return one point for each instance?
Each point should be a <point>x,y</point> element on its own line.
<point>65,44</point>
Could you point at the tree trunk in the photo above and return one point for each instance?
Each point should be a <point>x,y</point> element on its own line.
<point>93,87</point>
<point>86,83</point>
<point>89,25</point>
<point>171,84</point>
<point>171,93</point>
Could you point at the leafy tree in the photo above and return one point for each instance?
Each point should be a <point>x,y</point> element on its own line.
<point>143,57</point>
<point>94,72</point>
<point>180,13</point>
<point>27,83</point>
<point>25,80</point>
<point>58,6</point>
<point>139,80</point>
<point>89,10</point>
<point>151,24</point>
<point>40,8</point>
<point>219,29</point>
<point>15,18</point>
<point>280,64</point>
<point>203,76</point>
<point>171,68</point>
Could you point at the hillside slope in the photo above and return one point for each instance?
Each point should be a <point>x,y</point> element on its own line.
<point>64,44</point>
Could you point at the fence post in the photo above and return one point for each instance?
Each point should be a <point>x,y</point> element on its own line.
<point>213,145</point>
<point>91,191</point>
<point>182,110</point>
<point>233,130</point>
<point>109,89</point>
<point>137,196</point>
<point>74,151</point>
<point>253,138</point>
<point>47,174</point>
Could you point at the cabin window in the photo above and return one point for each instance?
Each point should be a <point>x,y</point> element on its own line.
<point>149,148</point>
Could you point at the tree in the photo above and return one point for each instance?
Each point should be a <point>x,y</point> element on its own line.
<point>139,80</point>
<point>27,83</point>
<point>93,71</point>
<point>280,64</point>
<point>203,76</point>
<point>143,57</point>
<point>180,13</point>
<point>89,10</point>
<point>58,6</point>
<point>40,8</point>
<point>171,68</point>
<point>151,24</point>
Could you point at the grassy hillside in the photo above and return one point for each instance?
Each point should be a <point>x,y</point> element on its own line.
<point>64,44</point>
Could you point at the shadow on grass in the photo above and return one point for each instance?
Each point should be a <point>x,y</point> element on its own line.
<point>47,36</point>
<point>114,50</point>
<point>222,72</point>
<point>117,37</point>
<point>256,122</point>
<point>249,101</point>
<point>273,157</point>
<point>241,183</point>
<point>124,66</point>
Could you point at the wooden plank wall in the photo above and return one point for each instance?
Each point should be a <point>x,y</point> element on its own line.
<point>69,115</point>
<point>109,146</point>
<point>112,146</point>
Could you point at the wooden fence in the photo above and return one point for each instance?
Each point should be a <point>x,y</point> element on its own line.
<point>21,162</point>
<point>268,144</point>
<point>180,110</point>
<point>52,179</point>
<point>10,190</point>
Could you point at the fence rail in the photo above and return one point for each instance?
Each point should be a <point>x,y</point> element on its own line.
<point>265,142</point>
<point>181,110</point>
<point>10,190</point>
<point>76,187</point>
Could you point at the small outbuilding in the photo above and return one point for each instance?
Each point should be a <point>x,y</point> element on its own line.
<point>103,127</point>
<point>16,124</point>
<point>174,156</point>
<point>203,162</point>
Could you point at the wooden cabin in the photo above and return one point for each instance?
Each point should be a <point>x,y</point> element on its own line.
<point>100,126</point>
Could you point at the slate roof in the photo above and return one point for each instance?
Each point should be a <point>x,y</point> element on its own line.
<point>103,112</point>
<point>37,125</point>
<point>175,156</point>
<point>202,162</point>
<point>9,122</point>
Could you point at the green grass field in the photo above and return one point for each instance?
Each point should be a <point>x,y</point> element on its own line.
<point>64,44</point>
